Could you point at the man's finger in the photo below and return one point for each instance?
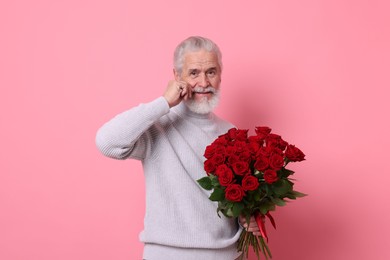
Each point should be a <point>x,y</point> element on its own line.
<point>189,91</point>
<point>183,93</point>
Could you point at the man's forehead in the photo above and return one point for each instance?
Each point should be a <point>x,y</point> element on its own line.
<point>200,59</point>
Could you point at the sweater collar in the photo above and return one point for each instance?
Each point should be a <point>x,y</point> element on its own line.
<point>184,110</point>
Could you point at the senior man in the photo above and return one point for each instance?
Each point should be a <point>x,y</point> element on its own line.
<point>169,135</point>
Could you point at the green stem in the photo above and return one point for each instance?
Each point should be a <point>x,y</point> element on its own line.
<point>258,244</point>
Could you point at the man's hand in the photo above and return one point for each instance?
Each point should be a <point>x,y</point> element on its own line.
<point>177,91</point>
<point>252,227</point>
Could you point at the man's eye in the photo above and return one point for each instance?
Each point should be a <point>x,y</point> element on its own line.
<point>193,73</point>
<point>211,73</point>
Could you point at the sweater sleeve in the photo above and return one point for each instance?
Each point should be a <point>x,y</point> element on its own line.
<point>124,136</point>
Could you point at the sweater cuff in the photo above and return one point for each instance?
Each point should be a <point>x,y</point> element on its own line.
<point>239,223</point>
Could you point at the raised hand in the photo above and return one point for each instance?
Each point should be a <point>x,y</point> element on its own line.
<point>176,91</point>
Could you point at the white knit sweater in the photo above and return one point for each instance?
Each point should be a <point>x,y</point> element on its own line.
<point>180,221</point>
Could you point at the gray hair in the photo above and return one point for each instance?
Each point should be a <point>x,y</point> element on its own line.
<point>194,43</point>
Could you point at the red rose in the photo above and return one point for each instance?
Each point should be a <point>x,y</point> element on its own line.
<point>265,130</point>
<point>282,144</point>
<point>245,156</point>
<point>233,159</point>
<point>273,140</point>
<point>276,161</point>
<point>240,168</point>
<point>262,163</point>
<point>262,131</point>
<point>276,150</point>
<point>234,192</point>
<point>220,150</point>
<point>209,152</point>
<point>254,139</point>
<point>250,182</point>
<point>232,133</point>
<point>218,159</point>
<point>230,150</point>
<point>294,154</point>
<point>270,176</point>
<point>253,147</point>
<point>242,135</point>
<point>225,175</point>
<point>264,152</point>
<point>221,169</point>
<point>209,166</point>
<point>240,146</point>
<point>222,140</point>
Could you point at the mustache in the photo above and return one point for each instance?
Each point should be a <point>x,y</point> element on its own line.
<point>204,90</point>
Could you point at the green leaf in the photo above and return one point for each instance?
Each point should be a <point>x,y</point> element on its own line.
<point>279,202</point>
<point>229,204</point>
<point>215,182</point>
<point>298,194</point>
<point>205,183</point>
<point>290,196</point>
<point>217,195</point>
<point>284,173</point>
<point>281,187</point>
<point>267,190</point>
<point>237,208</point>
<point>266,206</point>
<point>257,196</point>
<point>247,214</point>
<point>228,213</point>
<point>249,204</point>
<point>263,209</point>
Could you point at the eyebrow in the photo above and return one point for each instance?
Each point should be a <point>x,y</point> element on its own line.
<point>197,70</point>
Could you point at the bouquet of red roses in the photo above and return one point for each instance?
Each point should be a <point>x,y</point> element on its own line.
<point>248,177</point>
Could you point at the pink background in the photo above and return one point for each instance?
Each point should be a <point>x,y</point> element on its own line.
<point>317,72</point>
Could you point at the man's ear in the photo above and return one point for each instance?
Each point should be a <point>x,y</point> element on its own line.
<point>176,75</point>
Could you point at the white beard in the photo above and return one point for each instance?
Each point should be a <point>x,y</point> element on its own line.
<point>204,105</point>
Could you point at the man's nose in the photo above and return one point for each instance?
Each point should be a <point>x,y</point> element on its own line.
<point>203,81</point>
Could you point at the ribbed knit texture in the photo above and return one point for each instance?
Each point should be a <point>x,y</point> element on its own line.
<point>180,221</point>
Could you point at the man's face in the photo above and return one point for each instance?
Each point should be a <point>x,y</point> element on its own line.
<point>202,72</point>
